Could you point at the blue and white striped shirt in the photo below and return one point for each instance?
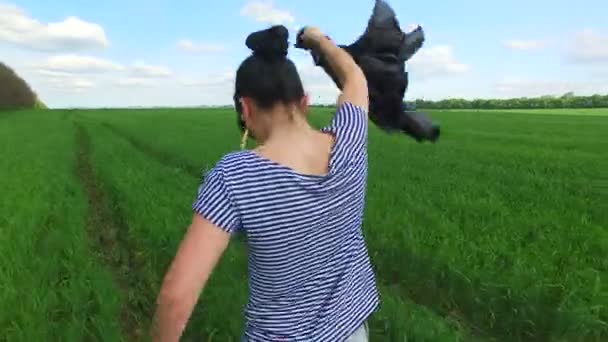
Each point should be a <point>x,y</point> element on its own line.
<point>310,276</point>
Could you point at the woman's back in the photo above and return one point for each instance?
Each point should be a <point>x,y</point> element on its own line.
<point>310,275</point>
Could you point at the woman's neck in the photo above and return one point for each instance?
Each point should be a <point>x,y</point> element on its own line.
<point>282,127</point>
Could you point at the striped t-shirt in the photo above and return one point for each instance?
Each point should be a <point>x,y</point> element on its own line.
<point>310,276</point>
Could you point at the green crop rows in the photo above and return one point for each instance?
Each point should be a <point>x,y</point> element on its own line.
<point>497,233</point>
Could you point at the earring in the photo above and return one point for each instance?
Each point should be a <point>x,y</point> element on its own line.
<point>244,139</point>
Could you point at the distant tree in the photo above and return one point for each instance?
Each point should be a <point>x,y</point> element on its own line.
<point>15,93</point>
<point>569,94</point>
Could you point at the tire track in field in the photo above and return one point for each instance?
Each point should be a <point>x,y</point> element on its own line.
<point>163,158</point>
<point>190,333</point>
<point>156,154</point>
<point>106,229</point>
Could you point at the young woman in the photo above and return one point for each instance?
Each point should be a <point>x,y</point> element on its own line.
<point>298,197</point>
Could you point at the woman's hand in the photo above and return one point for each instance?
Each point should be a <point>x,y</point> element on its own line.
<point>310,37</point>
<point>347,72</point>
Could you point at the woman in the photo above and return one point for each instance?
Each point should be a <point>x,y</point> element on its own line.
<point>299,198</point>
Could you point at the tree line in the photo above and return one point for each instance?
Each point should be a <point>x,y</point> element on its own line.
<point>568,100</point>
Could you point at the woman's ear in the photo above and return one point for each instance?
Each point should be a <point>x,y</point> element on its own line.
<point>246,112</point>
<point>304,102</point>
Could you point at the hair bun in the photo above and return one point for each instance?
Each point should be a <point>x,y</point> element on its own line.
<point>270,44</point>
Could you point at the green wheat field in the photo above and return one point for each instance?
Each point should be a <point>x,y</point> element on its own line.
<point>499,232</point>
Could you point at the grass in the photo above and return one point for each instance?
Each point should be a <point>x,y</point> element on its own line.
<point>52,288</point>
<point>498,232</point>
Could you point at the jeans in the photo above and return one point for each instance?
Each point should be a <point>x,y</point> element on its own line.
<point>360,335</point>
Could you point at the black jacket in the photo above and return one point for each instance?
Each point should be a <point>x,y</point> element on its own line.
<point>381,53</point>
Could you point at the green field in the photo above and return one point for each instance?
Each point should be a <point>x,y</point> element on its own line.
<point>497,233</point>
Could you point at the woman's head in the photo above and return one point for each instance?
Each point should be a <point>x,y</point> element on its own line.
<point>268,86</point>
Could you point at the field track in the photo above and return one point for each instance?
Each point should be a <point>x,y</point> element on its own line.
<point>497,233</point>
<point>106,229</point>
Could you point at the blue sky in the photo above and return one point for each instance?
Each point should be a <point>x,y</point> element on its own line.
<point>160,52</point>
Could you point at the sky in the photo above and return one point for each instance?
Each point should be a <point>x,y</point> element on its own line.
<point>131,53</point>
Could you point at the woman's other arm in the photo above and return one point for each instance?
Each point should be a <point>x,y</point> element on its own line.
<point>196,257</point>
<point>215,220</point>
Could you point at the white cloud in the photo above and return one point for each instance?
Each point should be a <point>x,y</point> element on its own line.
<point>135,82</point>
<point>217,80</point>
<point>437,61</point>
<point>265,12</point>
<point>522,87</point>
<point>17,28</point>
<point>589,47</point>
<point>322,93</point>
<point>140,69</point>
<point>531,88</point>
<point>78,64</point>
<point>190,46</point>
<point>319,86</point>
<point>70,84</point>
<point>82,83</point>
<point>524,44</point>
<point>53,74</point>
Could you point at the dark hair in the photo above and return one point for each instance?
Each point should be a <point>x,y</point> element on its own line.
<point>268,76</point>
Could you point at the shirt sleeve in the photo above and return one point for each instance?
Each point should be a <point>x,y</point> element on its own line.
<point>350,125</point>
<point>213,201</point>
<point>350,121</point>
